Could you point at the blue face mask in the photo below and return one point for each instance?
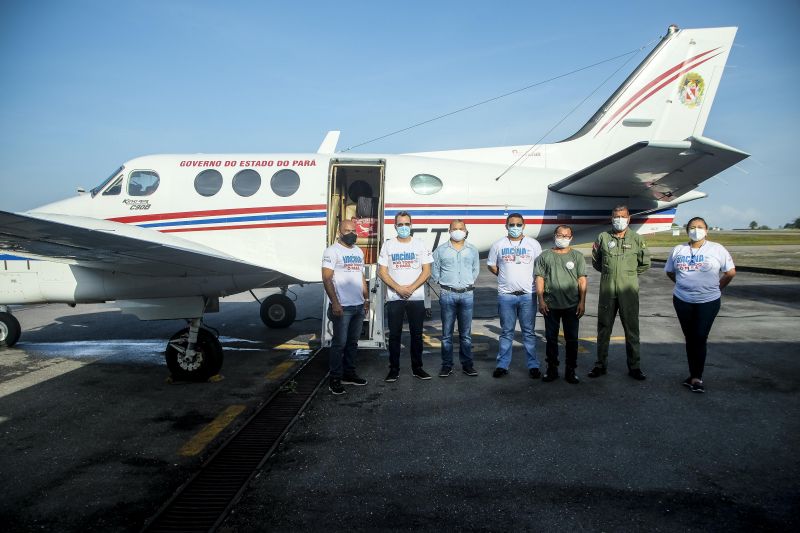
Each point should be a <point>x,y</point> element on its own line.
<point>403,231</point>
<point>514,232</point>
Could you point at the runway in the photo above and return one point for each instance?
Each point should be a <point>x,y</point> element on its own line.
<point>95,438</point>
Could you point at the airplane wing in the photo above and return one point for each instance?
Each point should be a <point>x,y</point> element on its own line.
<point>106,245</point>
<point>658,170</point>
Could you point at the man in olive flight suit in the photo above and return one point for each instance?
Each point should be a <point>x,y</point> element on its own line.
<point>620,255</point>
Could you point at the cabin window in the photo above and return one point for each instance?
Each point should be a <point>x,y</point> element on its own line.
<point>246,182</point>
<point>285,182</point>
<point>142,183</point>
<point>115,188</point>
<point>426,184</point>
<point>208,182</point>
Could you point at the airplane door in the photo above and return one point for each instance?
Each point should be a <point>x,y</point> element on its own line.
<point>356,191</point>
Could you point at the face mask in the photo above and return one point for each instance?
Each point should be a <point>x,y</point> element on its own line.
<point>514,232</point>
<point>697,234</point>
<point>349,239</point>
<point>403,231</point>
<point>458,235</point>
<point>562,243</point>
<point>619,223</point>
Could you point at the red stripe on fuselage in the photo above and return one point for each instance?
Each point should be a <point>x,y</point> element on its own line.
<point>216,212</point>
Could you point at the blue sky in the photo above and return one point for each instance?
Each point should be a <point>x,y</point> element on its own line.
<point>87,84</point>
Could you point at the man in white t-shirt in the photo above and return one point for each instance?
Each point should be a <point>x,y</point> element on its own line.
<point>346,287</point>
<point>512,260</point>
<point>404,265</point>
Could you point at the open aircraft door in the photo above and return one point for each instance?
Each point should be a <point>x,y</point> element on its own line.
<point>356,191</point>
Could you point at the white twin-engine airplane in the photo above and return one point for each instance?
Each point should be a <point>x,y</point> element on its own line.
<point>167,235</point>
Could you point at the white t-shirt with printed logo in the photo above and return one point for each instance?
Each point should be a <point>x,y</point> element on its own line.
<point>404,261</point>
<point>697,271</point>
<point>515,261</point>
<point>348,271</point>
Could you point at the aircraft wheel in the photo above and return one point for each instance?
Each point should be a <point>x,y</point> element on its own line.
<point>278,311</point>
<point>9,330</point>
<point>206,361</point>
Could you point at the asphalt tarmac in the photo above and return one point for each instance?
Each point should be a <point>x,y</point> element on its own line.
<point>94,437</point>
<point>515,454</point>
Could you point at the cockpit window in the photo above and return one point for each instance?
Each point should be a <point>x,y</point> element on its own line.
<point>142,183</point>
<point>115,188</point>
<point>106,181</point>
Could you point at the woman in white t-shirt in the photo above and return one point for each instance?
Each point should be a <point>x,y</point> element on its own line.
<point>700,270</point>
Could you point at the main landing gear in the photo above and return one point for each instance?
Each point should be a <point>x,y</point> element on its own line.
<point>278,310</point>
<point>194,353</point>
<point>9,328</point>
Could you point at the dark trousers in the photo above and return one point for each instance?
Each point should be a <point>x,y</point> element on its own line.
<point>696,321</point>
<point>415,311</point>
<point>344,344</point>
<point>569,319</point>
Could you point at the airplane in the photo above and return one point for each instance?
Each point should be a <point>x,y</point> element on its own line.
<point>165,236</point>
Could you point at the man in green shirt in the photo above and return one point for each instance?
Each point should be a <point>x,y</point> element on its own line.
<point>561,290</point>
<point>620,255</point>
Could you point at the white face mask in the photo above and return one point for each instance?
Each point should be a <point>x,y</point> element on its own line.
<point>562,243</point>
<point>458,235</point>
<point>619,223</point>
<point>697,234</point>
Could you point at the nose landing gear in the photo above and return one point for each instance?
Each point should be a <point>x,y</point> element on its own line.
<point>194,353</point>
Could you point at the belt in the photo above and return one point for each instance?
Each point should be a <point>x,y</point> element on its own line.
<point>451,289</point>
<point>517,293</point>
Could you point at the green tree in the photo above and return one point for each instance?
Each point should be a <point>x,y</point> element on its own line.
<point>753,224</point>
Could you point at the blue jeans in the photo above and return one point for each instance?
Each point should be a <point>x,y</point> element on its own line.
<point>510,308</point>
<point>456,305</point>
<point>344,345</point>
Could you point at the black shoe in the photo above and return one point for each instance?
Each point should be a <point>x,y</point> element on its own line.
<point>698,387</point>
<point>335,386</point>
<point>637,374</point>
<point>597,372</point>
<point>687,382</point>
<point>534,373</point>
<point>420,374</point>
<point>471,372</point>
<point>550,375</point>
<point>354,379</point>
<point>392,376</point>
<point>499,372</point>
<point>445,371</point>
<point>570,377</point>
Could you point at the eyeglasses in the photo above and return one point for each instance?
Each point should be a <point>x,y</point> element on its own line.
<point>515,225</point>
<point>402,224</point>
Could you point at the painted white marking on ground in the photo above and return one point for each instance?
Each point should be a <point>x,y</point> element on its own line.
<point>54,370</point>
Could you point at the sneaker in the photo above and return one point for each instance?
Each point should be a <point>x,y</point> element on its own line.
<point>392,376</point>
<point>354,379</point>
<point>534,373</point>
<point>637,374</point>
<point>597,372</point>
<point>445,371</point>
<point>550,375</point>
<point>698,387</point>
<point>335,386</point>
<point>471,372</point>
<point>687,382</point>
<point>570,377</point>
<point>420,374</point>
<point>499,372</point>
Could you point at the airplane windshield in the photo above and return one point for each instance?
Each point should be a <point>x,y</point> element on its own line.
<point>105,181</point>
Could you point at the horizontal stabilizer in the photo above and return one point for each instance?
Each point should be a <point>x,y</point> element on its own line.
<point>655,169</point>
<point>113,246</point>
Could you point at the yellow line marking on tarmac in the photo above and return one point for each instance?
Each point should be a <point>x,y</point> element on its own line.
<point>291,346</point>
<point>279,370</point>
<point>199,442</point>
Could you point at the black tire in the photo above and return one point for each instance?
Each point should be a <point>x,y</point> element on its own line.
<point>9,330</point>
<point>278,311</point>
<point>207,360</point>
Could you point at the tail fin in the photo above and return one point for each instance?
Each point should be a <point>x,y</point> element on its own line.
<point>668,96</point>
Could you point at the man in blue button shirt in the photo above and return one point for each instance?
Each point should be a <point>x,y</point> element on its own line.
<point>455,268</point>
